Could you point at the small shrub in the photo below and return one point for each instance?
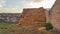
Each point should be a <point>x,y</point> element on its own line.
<point>48,26</point>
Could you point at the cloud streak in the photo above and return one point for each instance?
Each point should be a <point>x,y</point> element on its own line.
<point>36,1</point>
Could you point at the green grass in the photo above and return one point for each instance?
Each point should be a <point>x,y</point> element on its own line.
<point>5,25</point>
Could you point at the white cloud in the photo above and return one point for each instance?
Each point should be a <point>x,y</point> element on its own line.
<point>2,3</point>
<point>25,4</point>
<point>37,4</point>
<point>33,5</point>
<point>1,6</point>
<point>48,3</point>
<point>15,9</point>
<point>7,9</point>
<point>36,1</point>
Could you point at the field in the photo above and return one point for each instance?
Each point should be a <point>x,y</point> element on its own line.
<point>11,28</point>
<point>5,28</point>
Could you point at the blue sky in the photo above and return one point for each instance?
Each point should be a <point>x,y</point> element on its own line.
<point>16,6</point>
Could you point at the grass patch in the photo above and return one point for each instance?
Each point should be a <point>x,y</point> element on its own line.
<point>5,25</point>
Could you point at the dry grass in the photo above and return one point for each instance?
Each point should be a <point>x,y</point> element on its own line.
<point>14,29</point>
